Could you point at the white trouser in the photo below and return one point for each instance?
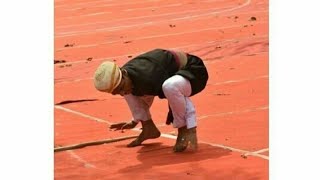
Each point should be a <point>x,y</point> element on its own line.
<point>177,90</point>
<point>139,106</point>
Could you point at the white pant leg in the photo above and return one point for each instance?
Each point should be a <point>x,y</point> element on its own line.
<point>177,90</point>
<point>139,106</point>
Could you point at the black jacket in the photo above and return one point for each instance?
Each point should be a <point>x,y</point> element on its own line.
<point>148,71</point>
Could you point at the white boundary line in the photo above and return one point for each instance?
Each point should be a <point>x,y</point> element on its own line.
<point>233,112</point>
<point>82,114</point>
<point>151,22</point>
<point>145,37</point>
<point>257,152</point>
<point>73,81</point>
<point>152,36</point>
<point>86,4</point>
<point>262,150</point>
<point>86,15</point>
<point>106,12</point>
<point>211,62</point>
<point>227,113</point>
<point>140,17</point>
<point>214,84</point>
<point>86,164</point>
<point>167,20</point>
<point>239,80</point>
<point>112,28</point>
<point>166,135</point>
<point>154,7</point>
<point>178,48</point>
<point>95,2</point>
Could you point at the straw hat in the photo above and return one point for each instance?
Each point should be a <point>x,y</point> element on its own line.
<point>107,77</point>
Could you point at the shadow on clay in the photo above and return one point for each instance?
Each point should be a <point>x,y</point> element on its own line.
<point>156,154</point>
<point>75,101</point>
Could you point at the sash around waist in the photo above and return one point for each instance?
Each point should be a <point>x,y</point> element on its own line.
<point>180,58</point>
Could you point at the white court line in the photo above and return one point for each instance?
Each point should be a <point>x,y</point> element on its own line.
<point>105,12</point>
<point>217,145</point>
<point>97,1</point>
<point>86,15</point>
<point>239,80</point>
<point>154,7</point>
<point>257,152</point>
<point>82,114</point>
<point>119,20</point>
<point>113,28</point>
<point>154,22</point>
<point>261,150</point>
<point>73,81</point>
<point>110,5</point>
<point>148,23</point>
<point>214,84</point>
<point>227,113</point>
<point>205,62</point>
<point>86,164</point>
<point>154,36</point>
<point>166,14</point>
<point>151,37</point>
<point>86,4</point>
<point>218,12</point>
<point>176,48</point>
<point>214,1</point>
<point>163,134</point>
<point>233,112</point>
<point>141,17</point>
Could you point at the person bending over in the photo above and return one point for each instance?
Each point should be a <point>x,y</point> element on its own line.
<point>168,74</point>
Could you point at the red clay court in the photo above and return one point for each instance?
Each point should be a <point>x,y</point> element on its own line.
<point>231,36</point>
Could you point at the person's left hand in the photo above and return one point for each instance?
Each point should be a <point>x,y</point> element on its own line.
<point>169,117</point>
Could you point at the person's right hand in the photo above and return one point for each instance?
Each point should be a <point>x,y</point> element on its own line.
<point>123,125</point>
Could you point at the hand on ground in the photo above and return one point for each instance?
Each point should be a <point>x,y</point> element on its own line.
<point>123,125</point>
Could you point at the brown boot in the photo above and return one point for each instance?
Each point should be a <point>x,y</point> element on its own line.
<point>149,131</point>
<point>184,137</point>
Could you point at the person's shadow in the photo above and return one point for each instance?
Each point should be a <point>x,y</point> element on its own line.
<point>156,154</point>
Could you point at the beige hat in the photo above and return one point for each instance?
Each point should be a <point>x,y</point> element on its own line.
<point>107,77</point>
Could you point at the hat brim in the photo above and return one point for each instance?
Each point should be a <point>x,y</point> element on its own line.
<point>119,80</point>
